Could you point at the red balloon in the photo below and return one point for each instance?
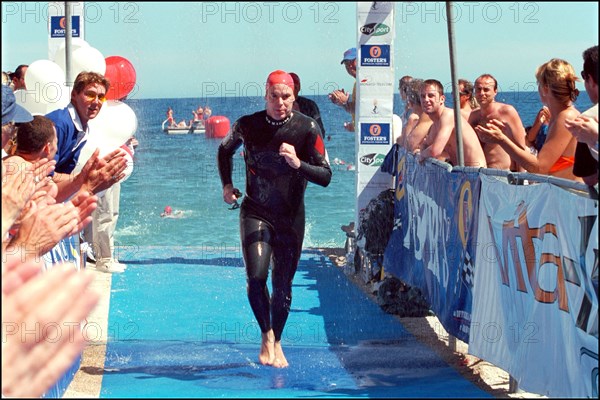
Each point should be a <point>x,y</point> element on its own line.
<point>121,74</point>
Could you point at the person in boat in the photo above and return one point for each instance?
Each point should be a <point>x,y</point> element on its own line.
<point>170,119</point>
<point>556,87</point>
<point>207,113</point>
<point>283,151</point>
<point>198,116</point>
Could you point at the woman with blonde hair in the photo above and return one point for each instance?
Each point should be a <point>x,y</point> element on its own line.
<point>556,86</point>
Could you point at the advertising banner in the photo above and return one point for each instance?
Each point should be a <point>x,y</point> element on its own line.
<point>57,24</point>
<point>535,297</point>
<point>375,94</point>
<point>432,245</point>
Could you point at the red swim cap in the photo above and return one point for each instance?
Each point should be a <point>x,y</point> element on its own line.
<point>168,210</point>
<point>280,77</point>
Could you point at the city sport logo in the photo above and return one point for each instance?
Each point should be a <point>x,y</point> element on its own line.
<point>375,133</point>
<point>372,160</point>
<point>375,55</point>
<point>375,29</point>
<point>58,26</point>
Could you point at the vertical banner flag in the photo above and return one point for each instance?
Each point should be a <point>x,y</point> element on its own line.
<point>57,24</point>
<point>375,98</point>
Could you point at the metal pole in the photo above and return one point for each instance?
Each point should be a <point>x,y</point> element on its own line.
<point>68,33</point>
<point>455,93</point>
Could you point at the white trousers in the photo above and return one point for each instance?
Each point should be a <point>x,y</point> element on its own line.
<point>100,232</point>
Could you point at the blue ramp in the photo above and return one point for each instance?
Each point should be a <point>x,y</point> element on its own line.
<point>180,326</point>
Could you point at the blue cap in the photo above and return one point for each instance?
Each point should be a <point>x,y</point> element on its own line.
<point>11,111</point>
<point>349,54</point>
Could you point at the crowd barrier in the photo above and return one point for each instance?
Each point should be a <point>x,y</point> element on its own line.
<point>509,268</point>
<point>67,250</point>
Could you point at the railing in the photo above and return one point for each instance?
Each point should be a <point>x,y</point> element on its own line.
<point>508,262</point>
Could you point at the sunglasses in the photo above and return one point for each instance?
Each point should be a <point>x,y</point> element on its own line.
<point>584,75</point>
<point>91,96</point>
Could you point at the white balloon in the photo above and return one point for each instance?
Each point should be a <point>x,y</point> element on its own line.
<point>59,56</point>
<point>57,97</point>
<point>87,59</point>
<point>46,79</point>
<point>116,121</point>
<point>129,167</point>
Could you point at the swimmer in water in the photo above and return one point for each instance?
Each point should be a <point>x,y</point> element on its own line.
<point>283,151</point>
<point>169,213</point>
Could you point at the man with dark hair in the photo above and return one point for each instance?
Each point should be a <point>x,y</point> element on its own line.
<point>440,143</point>
<point>37,139</point>
<point>585,126</point>
<point>305,105</point>
<point>18,77</point>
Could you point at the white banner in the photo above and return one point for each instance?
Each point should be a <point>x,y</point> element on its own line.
<point>375,98</point>
<point>535,306</point>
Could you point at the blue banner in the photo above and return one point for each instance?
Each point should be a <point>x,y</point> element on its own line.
<point>58,26</point>
<point>433,244</point>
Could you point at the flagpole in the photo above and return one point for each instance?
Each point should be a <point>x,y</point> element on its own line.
<point>68,35</point>
<point>455,92</point>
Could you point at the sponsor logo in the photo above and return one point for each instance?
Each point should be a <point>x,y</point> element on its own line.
<point>368,81</point>
<point>375,55</point>
<point>375,29</point>
<point>375,133</point>
<point>58,25</point>
<point>372,160</point>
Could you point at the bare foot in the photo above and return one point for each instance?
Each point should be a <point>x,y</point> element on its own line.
<point>267,348</point>
<point>280,361</point>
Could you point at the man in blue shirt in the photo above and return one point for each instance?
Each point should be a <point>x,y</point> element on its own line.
<point>98,174</point>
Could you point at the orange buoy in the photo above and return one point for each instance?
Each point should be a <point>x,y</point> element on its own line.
<point>217,127</point>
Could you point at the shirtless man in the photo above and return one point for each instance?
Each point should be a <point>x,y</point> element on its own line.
<point>418,123</point>
<point>440,142</point>
<point>486,89</point>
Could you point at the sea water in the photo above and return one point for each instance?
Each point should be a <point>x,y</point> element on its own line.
<point>181,171</point>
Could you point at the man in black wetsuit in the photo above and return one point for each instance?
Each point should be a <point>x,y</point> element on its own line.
<point>283,150</point>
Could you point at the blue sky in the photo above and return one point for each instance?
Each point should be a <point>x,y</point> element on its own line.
<point>227,49</point>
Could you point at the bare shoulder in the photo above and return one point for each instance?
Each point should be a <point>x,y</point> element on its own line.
<point>16,161</point>
<point>507,109</point>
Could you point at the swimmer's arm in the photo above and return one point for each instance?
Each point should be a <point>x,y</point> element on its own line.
<point>316,169</point>
<point>227,149</point>
<point>319,174</point>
